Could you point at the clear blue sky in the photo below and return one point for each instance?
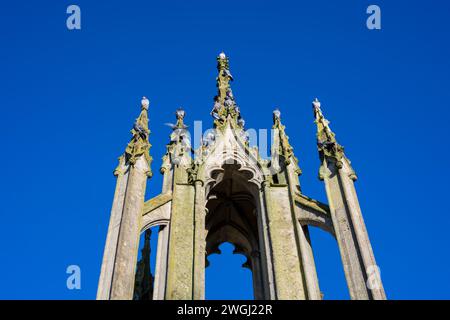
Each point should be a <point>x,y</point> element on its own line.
<point>68,100</point>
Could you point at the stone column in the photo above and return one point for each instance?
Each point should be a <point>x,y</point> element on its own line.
<point>308,266</point>
<point>120,256</point>
<point>181,241</point>
<point>161,263</point>
<point>106,273</point>
<point>360,268</point>
<point>118,270</point>
<point>258,284</point>
<point>287,270</point>
<point>199,242</point>
<point>122,286</point>
<point>265,250</point>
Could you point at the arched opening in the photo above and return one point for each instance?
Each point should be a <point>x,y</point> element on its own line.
<point>146,265</point>
<point>232,216</point>
<point>328,265</point>
<point>227,277</point>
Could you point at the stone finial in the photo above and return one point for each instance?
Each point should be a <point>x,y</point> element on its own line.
<point>276,118</point>
<point>145,103</point>
<point>316,103</point>
<point>180,113</point>
<point>222,55</point>
<point>277,113</point>
<point>139,144</point>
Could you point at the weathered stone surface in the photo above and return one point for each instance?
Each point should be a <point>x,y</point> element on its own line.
<point>128,242</point>
<point>310,281</point>
<point>181,244</point>
<point>199,242</point>
<point>156,202</point>
<point>106,273</point>
<point>157,216</point>
<point>159,289</point>
<point>286,264</point>
<point>356,251</point>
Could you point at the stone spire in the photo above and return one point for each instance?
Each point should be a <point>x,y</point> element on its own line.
<point>179,147</point>
<point>118,273</point>
<point>360,268</point>
<point>326,139</point>
<point>284,147</point>
<point>139,144</point>
<point>225,106</point>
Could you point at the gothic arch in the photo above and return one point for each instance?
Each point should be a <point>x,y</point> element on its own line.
<point>232,216</point>
<point>159,215</point>
<point>231,149</point>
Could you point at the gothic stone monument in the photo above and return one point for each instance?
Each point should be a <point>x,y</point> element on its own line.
<point>225,192</point>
